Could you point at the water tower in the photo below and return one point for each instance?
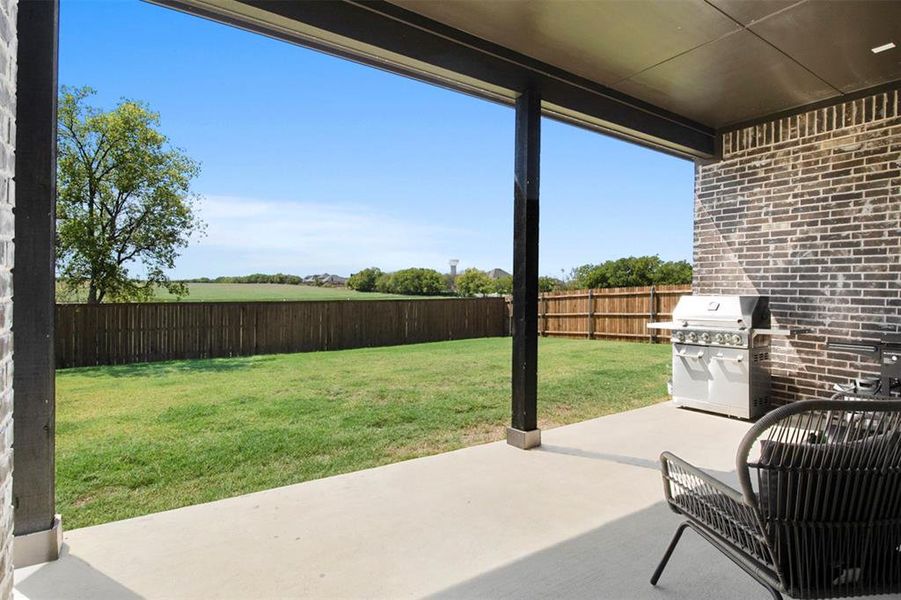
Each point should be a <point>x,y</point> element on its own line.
<point>453,273</point>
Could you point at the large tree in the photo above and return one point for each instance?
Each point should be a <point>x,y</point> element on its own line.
<point>123,200</point>
<point>474,282</point>
<point>412,282</point>
<point>631,271</point>
<point>365,280</point>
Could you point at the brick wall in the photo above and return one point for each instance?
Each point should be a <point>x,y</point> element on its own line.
<point>7,229</point>
<point>807,209</point>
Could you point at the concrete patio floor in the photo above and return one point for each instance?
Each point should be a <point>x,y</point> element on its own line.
<point>581,517</point>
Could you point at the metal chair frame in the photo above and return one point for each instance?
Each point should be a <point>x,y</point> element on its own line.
<point>825,519</point>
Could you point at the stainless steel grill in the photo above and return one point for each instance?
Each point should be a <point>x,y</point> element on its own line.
<point>721,354</point>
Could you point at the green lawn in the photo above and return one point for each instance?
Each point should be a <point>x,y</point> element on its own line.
<point>137,439</point>
<point>246,292</point>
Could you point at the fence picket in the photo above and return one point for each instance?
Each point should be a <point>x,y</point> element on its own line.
<point>89,335</point>
<point>607,313</point>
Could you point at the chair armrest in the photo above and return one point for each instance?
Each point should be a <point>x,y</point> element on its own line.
<point>714,505</point>
<point>677,471</point>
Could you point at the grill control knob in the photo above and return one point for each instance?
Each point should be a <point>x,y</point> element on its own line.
<point>693,337</point>
<point>718,338</point>
<point>736,339</point>
<point>679,336</point>
<point>705,337</point>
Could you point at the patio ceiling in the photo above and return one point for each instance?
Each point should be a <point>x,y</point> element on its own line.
<point>665,74</point>
<point>718,62</point>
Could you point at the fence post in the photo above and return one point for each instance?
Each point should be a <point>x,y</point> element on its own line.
<point>590,314</point>
<point>653,314</point>
<point>542,329</point>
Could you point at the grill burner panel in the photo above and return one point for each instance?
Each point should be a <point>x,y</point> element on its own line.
<point>709,337</point>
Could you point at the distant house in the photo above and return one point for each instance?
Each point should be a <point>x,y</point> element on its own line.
<point>333,280</point>
<point>498,274</point>
<point>325,279</point>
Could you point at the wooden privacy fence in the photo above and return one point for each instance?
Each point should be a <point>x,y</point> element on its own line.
<point>108,334</point>
<point>609,313</point>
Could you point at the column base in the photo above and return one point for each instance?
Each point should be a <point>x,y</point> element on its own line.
<point>523,439</point>
<point>38,547</point>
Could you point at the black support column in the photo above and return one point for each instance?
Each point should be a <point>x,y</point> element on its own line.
<point>524,432</point>
<point>37,529</point>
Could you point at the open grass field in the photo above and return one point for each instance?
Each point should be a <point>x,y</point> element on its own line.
<point>251,292</point>
<point>137,439</point>
<point>244,292</point>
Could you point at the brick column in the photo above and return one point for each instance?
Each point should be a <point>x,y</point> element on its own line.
<point>7,231</point>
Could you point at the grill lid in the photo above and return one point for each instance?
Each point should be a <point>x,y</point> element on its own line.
<point>731,312</point>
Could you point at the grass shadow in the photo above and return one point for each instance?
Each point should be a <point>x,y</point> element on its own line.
<point>172,367</point>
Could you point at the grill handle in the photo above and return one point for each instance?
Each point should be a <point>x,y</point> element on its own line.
<point>781,331</point>
<point>857,348</point>
<point>739,322</point>
<point>736,359</point>
<point>696,356</point>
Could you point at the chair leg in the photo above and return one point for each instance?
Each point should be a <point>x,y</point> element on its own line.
<point>773,591</point>
<point>669,552</point>
<point>744,567</point>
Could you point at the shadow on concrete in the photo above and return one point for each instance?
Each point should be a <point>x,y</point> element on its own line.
<point>72,578</point>
<point>728,477</point>
<point>617,458</point>
<point>615,562</point>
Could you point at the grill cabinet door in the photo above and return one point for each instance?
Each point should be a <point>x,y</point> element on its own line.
<point>729,382</point>
<point>691,375</point>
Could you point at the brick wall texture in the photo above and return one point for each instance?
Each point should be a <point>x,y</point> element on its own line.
<point>807,210</point>
<point>7,229</point>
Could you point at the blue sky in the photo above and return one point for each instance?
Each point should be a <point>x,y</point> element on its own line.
<point>312,163</point>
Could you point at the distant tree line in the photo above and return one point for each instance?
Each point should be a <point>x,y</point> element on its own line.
<point>429,282</point>
<point>413,282</point>
<point>473,282</point>
<point>630,272</point>
<point>622,272</point>
<point>252,278</point>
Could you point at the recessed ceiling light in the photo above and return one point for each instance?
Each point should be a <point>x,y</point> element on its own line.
<point>882,48</point>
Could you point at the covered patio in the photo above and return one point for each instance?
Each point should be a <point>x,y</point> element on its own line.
<point>581,517</point>
<point>792,114</point>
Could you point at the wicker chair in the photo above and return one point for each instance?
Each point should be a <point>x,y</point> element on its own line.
<point>824,519</point>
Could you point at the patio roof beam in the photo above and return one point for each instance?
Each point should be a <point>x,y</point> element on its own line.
<point>392,38</point>
<point>523,432</point>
